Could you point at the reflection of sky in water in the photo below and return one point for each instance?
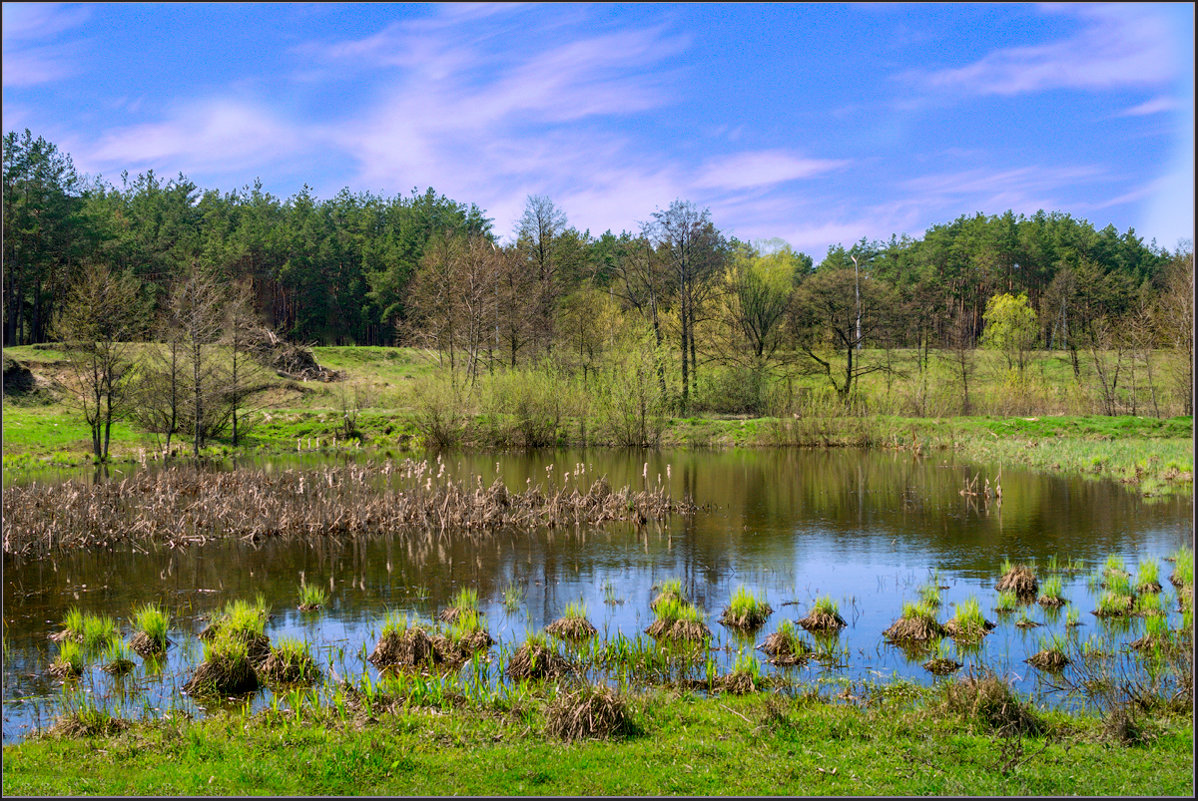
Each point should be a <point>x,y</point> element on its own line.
<point>866,529</point>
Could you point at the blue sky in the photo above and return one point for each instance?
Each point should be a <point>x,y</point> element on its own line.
<point>818,124</point>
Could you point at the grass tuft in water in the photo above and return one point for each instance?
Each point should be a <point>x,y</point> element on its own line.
<point>513,597</point>
<point>312,597</point>
<point>1007,602</point>
<point>99,631</point>
<point>744,611</point>
<point>69,662</point>
<point>290,663</point>
<point>118,658</point>
<point>968,624</point>
<point>1050,592</point>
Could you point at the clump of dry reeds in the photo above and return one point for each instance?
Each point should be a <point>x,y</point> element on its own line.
<point>824,616</point>
<point>226,669</point>
<point>536,659</point>
<point>1049,660</point>
<point>404,643</point>
<point>941,666</point>
<point>785,646</point>
<point>1020,580</point>
<point>917,625</point>
<point>573,624</point>
<point>290,663</point>
<point>590,712</point>
<point>187,505</point>
<point>990,701</point>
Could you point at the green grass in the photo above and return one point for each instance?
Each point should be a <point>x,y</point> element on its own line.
<point>72,623</point>
<point>465,599</point>
<point>674,609</point>
<point>70,653</point>
<point>971,622</point>
<point>1051,589</point>
<point>99,631</point>
<point>918,611</point>
<point>825,605</point>
<point>744,605</point>
<point>752,745</point>
<point>242,617</point>
<point>312,596</point>
<point>575,610</point>
<point>513,597</point>
<point>1008,601</point>
<point>1155,455</point>
<point>395,623</point>
<point>153,621</point>
<point>1183,566</point>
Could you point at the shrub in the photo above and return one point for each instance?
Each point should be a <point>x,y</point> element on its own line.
<point>990,701</point>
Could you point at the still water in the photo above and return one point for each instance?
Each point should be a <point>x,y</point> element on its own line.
<point>866,528</point>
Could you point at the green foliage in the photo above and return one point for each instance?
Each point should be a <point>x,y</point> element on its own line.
<point>1051,588</point>
<point>1010,326</point>
<point>152,620</point>
<point>99,631</point>
<point>312,596</point>
<point>1008,601</point>
<point>825,605</point>
<point>745,605</point>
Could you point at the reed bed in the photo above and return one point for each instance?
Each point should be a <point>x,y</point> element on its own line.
<point>184,505</point>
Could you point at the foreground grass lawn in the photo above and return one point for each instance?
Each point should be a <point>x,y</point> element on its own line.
<point>754,745</point>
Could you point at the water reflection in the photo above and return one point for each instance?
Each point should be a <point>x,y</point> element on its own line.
<point>864,528</point>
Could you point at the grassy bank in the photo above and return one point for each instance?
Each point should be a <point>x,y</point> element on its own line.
<point>898,742</point>
<point>381,404</point>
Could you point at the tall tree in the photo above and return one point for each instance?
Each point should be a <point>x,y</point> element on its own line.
<point>537,237</point>
<point>43,234</point>
<point>694,252</point>
<point>96,322</point>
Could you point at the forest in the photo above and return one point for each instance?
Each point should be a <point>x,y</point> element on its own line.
<point>426,270</point>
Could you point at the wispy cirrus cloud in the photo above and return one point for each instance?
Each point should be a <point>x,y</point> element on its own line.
<point>1156,105</point>
<point>220,135</point>
<point>1119,46</point>
<point>29,58</point>
<point>761,169</point>
<point>993,190</point>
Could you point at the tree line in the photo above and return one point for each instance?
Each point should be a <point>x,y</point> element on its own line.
<point>423,269</point>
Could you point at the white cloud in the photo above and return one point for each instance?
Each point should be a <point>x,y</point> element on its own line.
<point>1120,46</point>
<point>27,62</point>
<point>761,168</point>
<point>1156,105</point>
<point>220,135</point>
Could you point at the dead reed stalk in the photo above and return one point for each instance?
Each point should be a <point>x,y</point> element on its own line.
<point>185,505</point>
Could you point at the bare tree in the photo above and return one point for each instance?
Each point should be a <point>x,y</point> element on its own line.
<point>243,329</point>
<point>162,385</point>
<point>197,302</point>
<point>1177,322</point>
<point>95,322</point>
<point>453,299</point>
<point>540,226</point>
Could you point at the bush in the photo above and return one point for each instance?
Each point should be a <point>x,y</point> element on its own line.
<point>442,410</point>
<point>629,400</point>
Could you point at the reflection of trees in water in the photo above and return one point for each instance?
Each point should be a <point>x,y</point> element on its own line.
<point>768,507</point>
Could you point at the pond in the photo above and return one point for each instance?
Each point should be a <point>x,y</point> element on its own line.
<point>868,529</point>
